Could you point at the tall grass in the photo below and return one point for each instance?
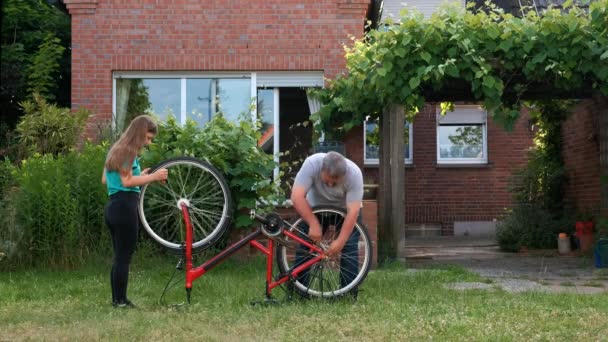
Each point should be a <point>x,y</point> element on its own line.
<point>53,210</point>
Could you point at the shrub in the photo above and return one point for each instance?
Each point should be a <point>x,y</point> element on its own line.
<point>53,215</point>
<point>232,148</point>
<point>46,128</point>
<point>531,227</point>
<point>539,187</point>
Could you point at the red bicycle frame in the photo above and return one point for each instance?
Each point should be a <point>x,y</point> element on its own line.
<point>192,273</point>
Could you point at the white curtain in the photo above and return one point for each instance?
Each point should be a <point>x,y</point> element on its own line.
<point>123,88</point>
<point>314,105</point>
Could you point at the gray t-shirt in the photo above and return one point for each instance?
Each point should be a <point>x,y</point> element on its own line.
<point>317,193</point>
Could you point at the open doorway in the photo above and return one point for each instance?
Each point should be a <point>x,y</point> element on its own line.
<point>286,128</point>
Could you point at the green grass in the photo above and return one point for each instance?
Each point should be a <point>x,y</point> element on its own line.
<point>394,304</point>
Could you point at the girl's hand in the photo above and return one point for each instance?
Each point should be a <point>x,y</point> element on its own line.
<point>161,175</point>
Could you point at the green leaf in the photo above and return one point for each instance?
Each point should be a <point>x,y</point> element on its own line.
<point>489,82</point>
<point>493,32</point>
<point>414,82</point>
<point>604,55</point>
<point>452,70</point>
<point>539,58</point>
<point>426,56</point>
<point>505,45</point>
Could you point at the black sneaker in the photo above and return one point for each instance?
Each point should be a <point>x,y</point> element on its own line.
<point>127,304</point>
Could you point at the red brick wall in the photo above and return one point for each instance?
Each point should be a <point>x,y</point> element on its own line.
<point>581,152</point>
<point>213,35</point>
<point>446,194</point>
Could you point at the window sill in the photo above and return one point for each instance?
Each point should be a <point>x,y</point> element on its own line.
<point>376,166</point>
<point>464,166</point>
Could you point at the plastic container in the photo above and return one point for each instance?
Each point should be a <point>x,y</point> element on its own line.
<point>600,253</point>
<point>563,244</point>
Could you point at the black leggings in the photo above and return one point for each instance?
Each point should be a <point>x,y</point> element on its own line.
<point>123,221</point>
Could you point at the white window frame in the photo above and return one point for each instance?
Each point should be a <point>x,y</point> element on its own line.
<point>464,115</point>
<point>376,161</point>
<point>183,77</point>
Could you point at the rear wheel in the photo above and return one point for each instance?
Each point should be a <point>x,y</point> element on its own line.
<point>204,189</point>
<point>334,276</point>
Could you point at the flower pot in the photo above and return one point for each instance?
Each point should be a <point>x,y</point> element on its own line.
<point>584,234</point>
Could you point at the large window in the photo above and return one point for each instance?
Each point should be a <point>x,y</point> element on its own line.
<point>277,99</point>
<point>462,136</point>
<point>194,97</point>
<point>371,136</point>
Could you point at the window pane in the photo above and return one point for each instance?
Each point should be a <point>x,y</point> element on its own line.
<point>372,140</point>
<point>132,99</point>
<point>461,141</point>
<point>266,116</point>
<point>165,96</point>
<point>234,96</point>
<point>162,96</point>
<point>199,98</point>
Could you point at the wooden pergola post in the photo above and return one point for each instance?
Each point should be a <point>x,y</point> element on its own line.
<point>391,220</point>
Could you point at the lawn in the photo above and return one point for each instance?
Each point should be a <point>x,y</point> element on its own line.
<point>394,304</point>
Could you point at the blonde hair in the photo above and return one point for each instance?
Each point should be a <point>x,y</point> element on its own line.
<point>123,152</point>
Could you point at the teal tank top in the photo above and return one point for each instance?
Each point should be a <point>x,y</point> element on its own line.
<point>114,184</point>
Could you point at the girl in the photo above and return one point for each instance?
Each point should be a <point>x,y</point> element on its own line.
<point>123,177</point>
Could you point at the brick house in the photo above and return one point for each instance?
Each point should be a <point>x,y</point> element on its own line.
<point>585,152</point>
<point>194,58</point>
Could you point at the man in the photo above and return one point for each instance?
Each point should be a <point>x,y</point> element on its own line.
<point>329,179</point>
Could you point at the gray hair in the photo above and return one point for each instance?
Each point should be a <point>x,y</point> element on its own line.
<point>334,164</point>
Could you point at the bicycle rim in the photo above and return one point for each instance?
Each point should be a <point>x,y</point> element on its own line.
<point>331,277</point>
<point>209,204</point>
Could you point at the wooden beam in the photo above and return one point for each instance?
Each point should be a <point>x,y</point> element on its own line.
<point>460,90</point>
<point>392,182</point>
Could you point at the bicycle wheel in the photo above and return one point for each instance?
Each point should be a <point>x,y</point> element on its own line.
<point>207,193</point>
<point>334,276</point>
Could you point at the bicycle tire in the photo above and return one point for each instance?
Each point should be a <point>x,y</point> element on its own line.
<point>329,284</point>
<point>210,205</point>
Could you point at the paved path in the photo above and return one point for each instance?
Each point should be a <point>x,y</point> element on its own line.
<point>513,272</point>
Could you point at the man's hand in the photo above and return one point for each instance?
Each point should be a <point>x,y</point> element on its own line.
<point>315,232</point>
<point>335,248</point>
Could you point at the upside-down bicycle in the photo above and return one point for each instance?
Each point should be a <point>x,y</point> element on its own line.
<point>191,211</point>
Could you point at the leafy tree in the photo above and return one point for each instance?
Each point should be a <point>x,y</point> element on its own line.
<point>44,66</point>
<point>35,36</point>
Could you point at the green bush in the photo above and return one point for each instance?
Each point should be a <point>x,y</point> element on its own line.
<point>53,213</point>
<point>47,128</point>
<point>531,227</point>
<point>232,148</point>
